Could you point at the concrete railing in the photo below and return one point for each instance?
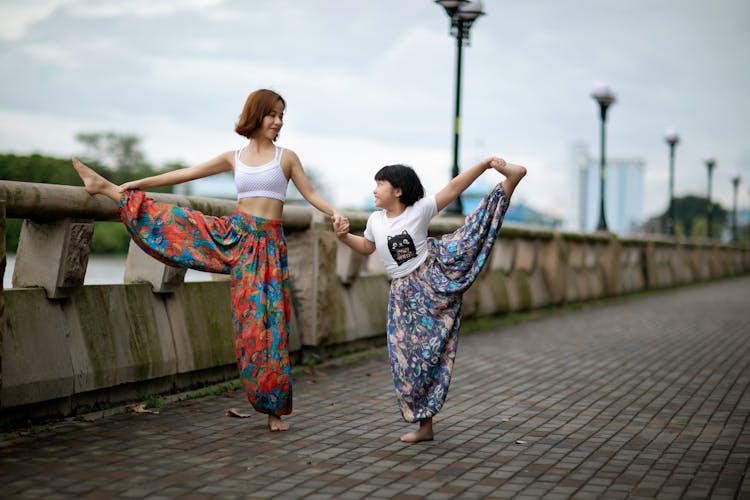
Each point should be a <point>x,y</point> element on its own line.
<point>67,347</point>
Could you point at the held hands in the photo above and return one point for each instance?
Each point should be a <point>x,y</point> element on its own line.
<point>340,225</point>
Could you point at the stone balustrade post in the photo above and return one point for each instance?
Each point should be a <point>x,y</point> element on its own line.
<point>53,255</point>
<point>611,264</point>
<point>313,278</point>
<point>140,267</point>
<point>555,269</point>
<point>348,264</point>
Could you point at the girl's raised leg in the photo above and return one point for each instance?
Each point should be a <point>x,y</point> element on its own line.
<point>95,183</point>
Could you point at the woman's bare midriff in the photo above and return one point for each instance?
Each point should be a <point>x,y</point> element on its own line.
<point>266,208</point>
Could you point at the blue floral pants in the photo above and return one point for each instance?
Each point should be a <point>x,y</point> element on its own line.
<point>424,309</point>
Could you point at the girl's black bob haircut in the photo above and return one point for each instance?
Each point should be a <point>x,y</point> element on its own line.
<point>403,178</point>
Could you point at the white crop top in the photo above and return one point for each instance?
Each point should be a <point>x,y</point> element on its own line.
<point>263,181</point>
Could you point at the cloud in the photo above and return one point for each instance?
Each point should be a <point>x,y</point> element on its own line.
<point>18,15</point>
<point>372,82</point>
<point>139,8</point>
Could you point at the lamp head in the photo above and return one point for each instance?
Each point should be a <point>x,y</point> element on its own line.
<point>451,6</point>
<point>671,136</point>
<point>462,13</point>
<point>603,94</point>
<point>468,12</point>
<point>709,160</point>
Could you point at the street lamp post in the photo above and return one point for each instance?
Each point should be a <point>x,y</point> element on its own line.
<point>605,97</point>
<point>672,139</point>
<point>462,14</point>
<point>710,162</point>
<point>735,184</point>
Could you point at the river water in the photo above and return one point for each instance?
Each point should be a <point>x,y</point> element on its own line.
<point>102,270</point>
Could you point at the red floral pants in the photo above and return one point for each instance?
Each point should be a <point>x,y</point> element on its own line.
<point>253,251</point>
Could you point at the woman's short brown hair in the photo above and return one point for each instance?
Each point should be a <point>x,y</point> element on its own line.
<point>258,104</point>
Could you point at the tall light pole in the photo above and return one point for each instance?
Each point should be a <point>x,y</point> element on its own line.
<point>462,14</point>
<point>672,139</point>
<point>710,162</point>
<point>605,97</point>
<point>735,184</point>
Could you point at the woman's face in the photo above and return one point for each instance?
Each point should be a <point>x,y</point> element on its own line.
<point>273,122</point>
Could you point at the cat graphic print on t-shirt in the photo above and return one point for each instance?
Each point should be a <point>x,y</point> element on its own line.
<point>402,247</point>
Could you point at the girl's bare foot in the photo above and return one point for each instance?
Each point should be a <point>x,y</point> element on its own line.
<point>424,433</point>
<point>513,174</point>
<point>95,183</point>
<point>276,424</point>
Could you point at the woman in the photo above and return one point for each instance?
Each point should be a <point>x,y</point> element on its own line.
<point>248,244</point>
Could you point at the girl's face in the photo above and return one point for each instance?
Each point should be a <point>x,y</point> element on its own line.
<point>386,196</point>
<point>273,122</point>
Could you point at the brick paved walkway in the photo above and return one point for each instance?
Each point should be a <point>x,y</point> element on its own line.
<point>639,399</point>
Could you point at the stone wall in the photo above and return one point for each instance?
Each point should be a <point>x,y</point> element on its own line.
<point>68,348</point>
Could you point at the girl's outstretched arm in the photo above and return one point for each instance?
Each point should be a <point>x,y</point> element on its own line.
<point>458,184</point>
<point>359,244</point>
<point>222,163</point>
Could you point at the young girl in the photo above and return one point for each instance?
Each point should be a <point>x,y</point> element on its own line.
<point>429,277</point>
<point>249,244</point>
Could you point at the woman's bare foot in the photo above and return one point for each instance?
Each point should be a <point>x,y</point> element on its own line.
<point>424,433</point>
<point>513,174</point>
<point>276,424</point>
<point>95,183</point>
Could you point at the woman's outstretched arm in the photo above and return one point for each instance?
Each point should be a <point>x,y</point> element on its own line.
<point>96,184</point>
<point>305,187</point>
<point>221,163</point>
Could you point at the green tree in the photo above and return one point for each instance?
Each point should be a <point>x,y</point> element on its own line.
<point>38,168</point>
<point>121,152</point>
<point>690,215</point>
<point>110,238</point>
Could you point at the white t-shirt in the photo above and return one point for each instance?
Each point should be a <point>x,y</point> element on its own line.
<point>401,242</point>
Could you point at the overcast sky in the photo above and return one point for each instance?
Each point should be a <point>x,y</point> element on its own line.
<point>370,82</point>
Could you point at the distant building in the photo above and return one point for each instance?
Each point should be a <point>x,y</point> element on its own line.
<point>623,200</point>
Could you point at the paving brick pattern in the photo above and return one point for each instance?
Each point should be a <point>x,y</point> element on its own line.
<point>643,398</point>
